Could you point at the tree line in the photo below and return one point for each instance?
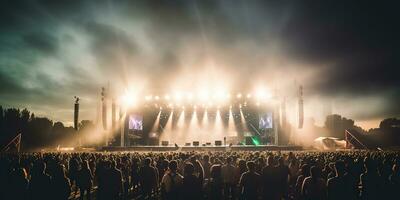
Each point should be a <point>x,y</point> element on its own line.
<point>36,132</point>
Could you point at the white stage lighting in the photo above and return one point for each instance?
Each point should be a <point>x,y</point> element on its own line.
<point>239,95</point>
<point>263,94</point>
<point>148,98</point>
<point>128,99</point>
<point>203,95</point>
<point>189,96</point>
<point>156,97</point>
<point>248,96</point>
<point>167,97</point>
<point>178,96</point>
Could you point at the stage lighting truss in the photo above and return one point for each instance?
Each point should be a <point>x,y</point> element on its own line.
<point>203,99</point>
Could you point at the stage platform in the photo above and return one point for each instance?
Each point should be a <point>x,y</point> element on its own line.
<point>205,148</point>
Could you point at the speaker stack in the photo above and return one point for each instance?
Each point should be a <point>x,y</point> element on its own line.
<point>164,143</point>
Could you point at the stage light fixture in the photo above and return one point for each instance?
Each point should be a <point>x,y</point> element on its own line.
<point>178,96</point>
<point>203,95</point>
<point>157,98</point>
<point>128,99</point>
<point>239,95</point>
<point>189,96</point>
<point>262,94</point>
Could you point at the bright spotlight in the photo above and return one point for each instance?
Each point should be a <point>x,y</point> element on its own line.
<point>248,96</point>
<point>239,95</point>
<point>148,98</point>
<point>220,94</point>
<point>178,96</point>
<point>203,95</point>
<point>156,97</point>
<point>189,96</point>
<point>167,97</point>
<point>263,94</point>
<point>128,99</point>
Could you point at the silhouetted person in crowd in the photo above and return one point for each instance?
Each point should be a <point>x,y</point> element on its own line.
<point>229,178</point>
<point>242,168</point>
<point>60,184</point>
<point>394,180</point>
<point>207,166</point>
<point>73,169</point>
<point>162,168</point>
<point>282,176</point>
<point>198,169</point>
<point>215,183</point>
<point>39,186</point>
<point>18,184</point>
<point>148,178</point>
<point>84,180</point>
<point>269,180</point>
<point>314,186</point>
<point>135,174</point>
<point>293,169</point>
<point>192,184</point>
<point>171,182</point>
<point>250,182</point>
<point>304,173</point>
<point>338,186</point>
<point>114,178</point>
<point>370,181</point>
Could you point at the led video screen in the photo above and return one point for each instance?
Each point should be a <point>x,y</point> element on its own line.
<point>265,121</point>
<point>135,122</point>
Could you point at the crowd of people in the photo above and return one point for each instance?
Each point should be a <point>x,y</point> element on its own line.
<point>299,175</point>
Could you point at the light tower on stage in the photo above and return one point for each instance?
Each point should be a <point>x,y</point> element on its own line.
<point>301,107</point>
<point>76,115</point>
<point>104,112</point>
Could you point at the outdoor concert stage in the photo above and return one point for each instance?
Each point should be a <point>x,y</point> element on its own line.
<point>205,148</point>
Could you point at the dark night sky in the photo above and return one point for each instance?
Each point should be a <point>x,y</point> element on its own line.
<point>345,53</point>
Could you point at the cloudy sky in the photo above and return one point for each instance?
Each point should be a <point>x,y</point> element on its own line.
<point>345,54</point>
